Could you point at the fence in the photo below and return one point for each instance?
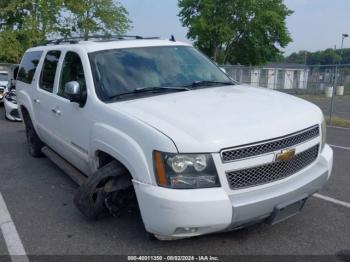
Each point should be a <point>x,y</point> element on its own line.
<point>4,66</point>
<point>313,83</point>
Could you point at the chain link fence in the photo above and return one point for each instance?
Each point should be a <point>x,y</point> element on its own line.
<point>326,86</point>
<point>5,66</point>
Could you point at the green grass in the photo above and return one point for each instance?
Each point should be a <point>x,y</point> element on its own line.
<point>321,97</point>
<point>338,121</point>
<point>313,97</point>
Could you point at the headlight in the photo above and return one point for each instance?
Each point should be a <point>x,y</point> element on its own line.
<point>184,171</point>
<point>323,133</point>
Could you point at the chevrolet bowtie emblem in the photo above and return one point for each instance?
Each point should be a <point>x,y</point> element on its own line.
<point>285,155</point>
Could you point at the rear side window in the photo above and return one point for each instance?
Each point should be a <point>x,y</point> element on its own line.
<point>48,73</point>
<point>28,66</point>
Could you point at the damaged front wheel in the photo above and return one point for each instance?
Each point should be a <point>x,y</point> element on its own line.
<point>108,191</point>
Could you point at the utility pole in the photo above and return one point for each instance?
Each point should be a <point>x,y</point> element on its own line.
<point>342,42</point>
<point>336,78</point>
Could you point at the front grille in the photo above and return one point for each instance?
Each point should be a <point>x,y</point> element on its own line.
<point>271,172</point>
<point>271,145</point>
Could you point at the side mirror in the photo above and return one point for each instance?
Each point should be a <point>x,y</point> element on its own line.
<point>74,93</point>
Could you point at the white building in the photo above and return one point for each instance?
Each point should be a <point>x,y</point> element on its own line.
<point>274,76</point>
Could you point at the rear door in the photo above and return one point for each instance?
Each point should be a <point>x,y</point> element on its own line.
<point>44,100</point>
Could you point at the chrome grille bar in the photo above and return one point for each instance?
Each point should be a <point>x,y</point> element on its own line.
<point>270,145</point>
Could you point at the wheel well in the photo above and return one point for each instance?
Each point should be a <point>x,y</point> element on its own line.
<point>105,158</point>
<point>25,114</point>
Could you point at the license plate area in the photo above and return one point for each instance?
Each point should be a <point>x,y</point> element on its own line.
<point>285,211</point>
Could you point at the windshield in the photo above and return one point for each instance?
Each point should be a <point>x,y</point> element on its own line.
<point>3,77</point>
<point>121,71</point>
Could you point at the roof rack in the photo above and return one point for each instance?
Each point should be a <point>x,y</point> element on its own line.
<point>77,39</point>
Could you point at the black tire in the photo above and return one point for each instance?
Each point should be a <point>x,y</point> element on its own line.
<point>34,143</point>
<point>90,196</point>
<point>151,237</point>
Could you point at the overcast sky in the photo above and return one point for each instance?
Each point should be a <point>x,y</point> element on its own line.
<point>315,24</point>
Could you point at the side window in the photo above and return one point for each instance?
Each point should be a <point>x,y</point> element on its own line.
<point>28,66</point>
<point>47,77</point>
<point>72,70</point>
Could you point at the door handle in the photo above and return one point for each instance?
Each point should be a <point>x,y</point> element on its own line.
<point>56,111</point>
<point>36,101</point>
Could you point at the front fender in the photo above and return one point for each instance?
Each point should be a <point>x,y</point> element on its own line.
<point>134,152</point>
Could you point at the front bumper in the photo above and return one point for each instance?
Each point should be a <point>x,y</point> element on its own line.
<point>184,213</point>
<point>11,111</point>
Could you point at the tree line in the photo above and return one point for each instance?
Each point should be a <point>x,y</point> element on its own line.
<point>325,57</point>
<point>24,23</point>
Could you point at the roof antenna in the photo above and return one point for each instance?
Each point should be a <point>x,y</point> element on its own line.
<point>172,38</point>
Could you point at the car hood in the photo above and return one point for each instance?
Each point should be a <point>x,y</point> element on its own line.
<point>210,119</point>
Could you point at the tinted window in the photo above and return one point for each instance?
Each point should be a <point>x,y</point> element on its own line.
<point>28,66</point>
<point>47,77</point>
<point>124,70</point>
<point>72,70</point>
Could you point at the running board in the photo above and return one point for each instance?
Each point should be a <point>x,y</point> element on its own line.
<point>63,164</point>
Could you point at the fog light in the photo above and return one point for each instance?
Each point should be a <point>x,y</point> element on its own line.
<point>185,230</point>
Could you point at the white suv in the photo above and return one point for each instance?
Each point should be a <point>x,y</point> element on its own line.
<point>158,118</point>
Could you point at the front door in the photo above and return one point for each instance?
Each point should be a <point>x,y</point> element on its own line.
<point>74,121</point>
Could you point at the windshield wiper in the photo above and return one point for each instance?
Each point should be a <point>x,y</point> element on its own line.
<point>157,88</point>
<point>208,83</point>
<point>151,89</point>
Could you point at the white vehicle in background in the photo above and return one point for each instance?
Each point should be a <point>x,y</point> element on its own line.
<point>3,84</point>
<point>12,75</point>
<point>11,107</point>
<point>158,118</point>
<point>10,100</point>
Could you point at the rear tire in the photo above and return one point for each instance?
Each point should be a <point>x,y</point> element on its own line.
<point>34,143</point>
